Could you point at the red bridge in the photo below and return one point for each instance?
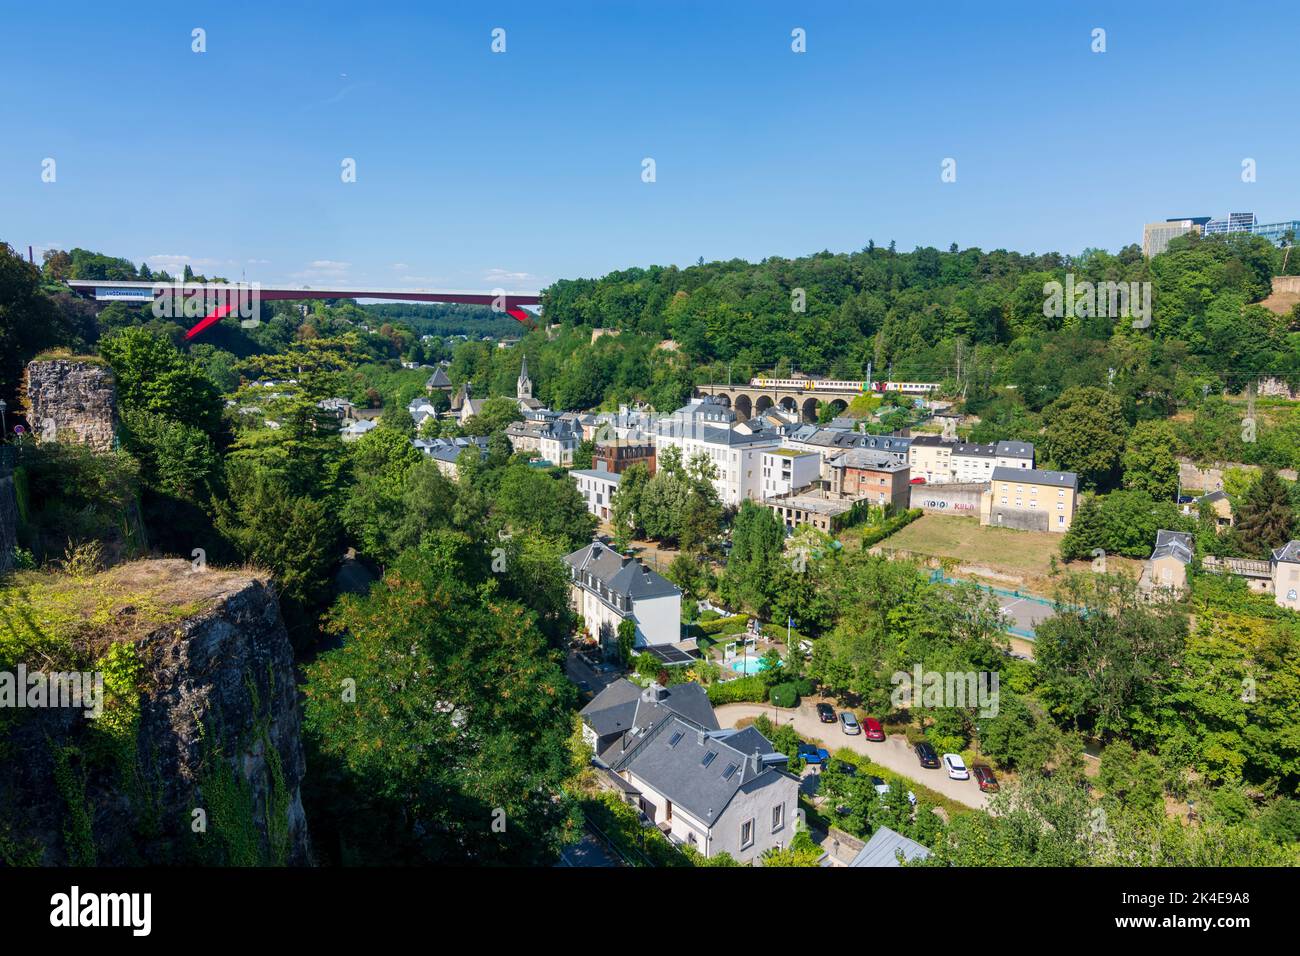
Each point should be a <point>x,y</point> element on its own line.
<point>142,293</point>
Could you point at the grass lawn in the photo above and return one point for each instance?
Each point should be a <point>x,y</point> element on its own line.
<point>1022,555</point>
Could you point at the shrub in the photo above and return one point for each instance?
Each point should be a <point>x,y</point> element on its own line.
<point>785,695</point>
<point>751,689</point>
<point>883,531</point>
<point>719,625</point>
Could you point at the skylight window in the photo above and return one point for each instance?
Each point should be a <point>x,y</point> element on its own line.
<point>676,739</point>
<point>731,769</point>
<point>708,758</point>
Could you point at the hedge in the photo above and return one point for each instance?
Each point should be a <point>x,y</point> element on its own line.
<point>718,625</point>
<point>751,689</point>
<point>883,531</point>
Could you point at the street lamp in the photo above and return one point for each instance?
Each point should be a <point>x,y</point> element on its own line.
<point>3,427</point>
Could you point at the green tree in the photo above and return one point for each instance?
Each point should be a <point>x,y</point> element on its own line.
<point>1149,462</point>
<point>460,711</point>
<point>1084,433</point>
<point>1265,518</point>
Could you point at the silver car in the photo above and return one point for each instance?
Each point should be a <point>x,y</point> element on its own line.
<point>849,723</point>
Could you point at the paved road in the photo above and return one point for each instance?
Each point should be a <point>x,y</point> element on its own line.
<point>589,851</point>
<point>894,753</point>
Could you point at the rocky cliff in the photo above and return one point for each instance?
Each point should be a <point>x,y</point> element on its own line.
<point>72,398</point>
<point>197,755</point>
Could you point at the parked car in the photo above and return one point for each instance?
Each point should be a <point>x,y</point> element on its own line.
<point>810,753</point>
<point>844,767</point>
<point>984,777</point>
<point>826,713</point>
<point>849,723</point>
<point>873,728</point>
<point>883,789</point>
<point>925,753</point>
<point>956,767</point>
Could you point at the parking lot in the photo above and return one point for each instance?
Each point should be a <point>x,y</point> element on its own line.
<point>894,754</point>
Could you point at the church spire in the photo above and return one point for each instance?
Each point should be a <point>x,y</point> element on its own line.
<point>524,387</point>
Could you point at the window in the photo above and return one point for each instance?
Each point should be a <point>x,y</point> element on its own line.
<point>727,774</point>
<point>747,834</point>
<point>676,739</point>
<point>709,758</point>
<point>778,817</point>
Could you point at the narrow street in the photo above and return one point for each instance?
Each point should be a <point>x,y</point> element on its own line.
<point>894,753</point>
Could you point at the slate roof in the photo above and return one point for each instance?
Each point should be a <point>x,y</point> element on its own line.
<point>975,451</point>
<point>438,379</point>
<point>1288,552</point>
<point>1037,476</point>
<point>674,759</point>
<point>1015,449</point>
<point>869,459</point>
<point>1173,544</point>
<point>929,441</point>
<point>882,849</point>
<point>623,705</point>
<point>1212,497</point>
<point>618,573</point>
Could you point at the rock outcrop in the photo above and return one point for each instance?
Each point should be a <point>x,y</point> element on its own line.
<point>207,768</point>
<point>72,399</point>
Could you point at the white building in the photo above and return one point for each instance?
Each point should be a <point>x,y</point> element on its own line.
<point>786,470</point>
<point>706,426</point>
<point>609,588</point>
<point>716,791</point>
<point>552,439</point>
<point>597,489</point>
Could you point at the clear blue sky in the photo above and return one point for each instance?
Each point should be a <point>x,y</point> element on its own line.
<point>477,169</point>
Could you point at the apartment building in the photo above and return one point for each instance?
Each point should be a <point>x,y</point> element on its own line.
<point>930,457</point>
<point>617,455</point>
<point>881,478</point>
<point>1030,499</point>
<point>597,488</point>
<point>786,470</point>
<point>551,439</point>
<point>706,426</point>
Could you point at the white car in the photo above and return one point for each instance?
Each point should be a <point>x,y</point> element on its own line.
<point>956,769</point>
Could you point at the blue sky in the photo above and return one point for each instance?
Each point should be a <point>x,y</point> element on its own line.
<point>477,170</point>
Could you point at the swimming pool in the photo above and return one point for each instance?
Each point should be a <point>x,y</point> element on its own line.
<point>748,665</point>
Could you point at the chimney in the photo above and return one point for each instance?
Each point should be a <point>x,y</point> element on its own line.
<point>753,762</point>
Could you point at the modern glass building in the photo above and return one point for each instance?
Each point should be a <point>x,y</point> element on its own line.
<point>1275,232</point>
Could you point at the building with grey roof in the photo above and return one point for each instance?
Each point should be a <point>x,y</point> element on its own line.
<point>1030,499</point>
<point>1284,568</point>
<point>608,588</point>
<point>1164,574</point>
<point>885,848</point>
<point>611,722</point>
<point>718,791</point>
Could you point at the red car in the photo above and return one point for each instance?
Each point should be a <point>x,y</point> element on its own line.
<point>873,729</point>
<point>984,777</point>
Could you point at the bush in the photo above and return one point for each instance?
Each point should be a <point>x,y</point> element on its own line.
<point>751,689</point>
<point>719,625</point>
<point>883,531</point>
<point>785,695</point>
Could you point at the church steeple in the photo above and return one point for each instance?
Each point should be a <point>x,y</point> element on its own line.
<point>524,387</point>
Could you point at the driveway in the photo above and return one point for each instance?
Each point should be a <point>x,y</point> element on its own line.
<point>894,753</point>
